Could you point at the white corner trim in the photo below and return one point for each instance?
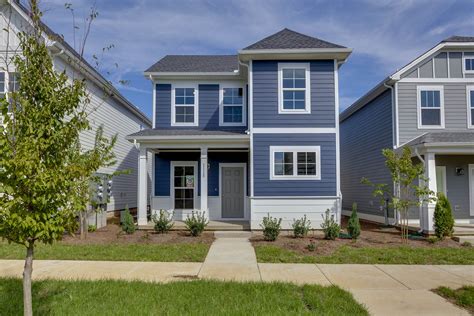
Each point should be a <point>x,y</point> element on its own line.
<point>154,103</point>
<point>222,105</point>
<point>307,89</point>
<point>196,176</point>
<point>471,189</point>
<point>418,105</point>
<point>338,152</point>
<point>470,106</point>
<point>250,127</point>
<point>195,86</point>
<point>294,130</point>
<point>294,150</point>
<point>242,165</point>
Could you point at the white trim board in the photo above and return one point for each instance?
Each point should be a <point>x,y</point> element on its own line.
<point>294,130</point>
<point>233,164</point>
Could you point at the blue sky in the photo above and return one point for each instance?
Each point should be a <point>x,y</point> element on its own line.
<point>384,35</point>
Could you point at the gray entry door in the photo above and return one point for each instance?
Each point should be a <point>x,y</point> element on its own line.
<point>232,192</point>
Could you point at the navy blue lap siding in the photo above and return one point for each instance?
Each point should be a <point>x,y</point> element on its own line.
<point>163,169</point>
<point>208,104</point>
<point>263,186</point>
<point>265,96</point>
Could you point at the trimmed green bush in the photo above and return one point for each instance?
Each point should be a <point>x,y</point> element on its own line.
<point>128,225</point>
<point>330,228</point>
<point>271,228</point>
<point>301,227</point>
<point>196,223</point>
<point>353,226</point>
<point>163,222</point>
<point>91,228</point>
<point>443,217</point>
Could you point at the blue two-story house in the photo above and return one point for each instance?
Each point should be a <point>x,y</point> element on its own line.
<point>242,136</point>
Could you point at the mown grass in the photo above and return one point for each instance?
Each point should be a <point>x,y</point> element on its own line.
<point>463,296</point>
<point>186,252</point>
<point>177,298</point>
<point>366,255</point>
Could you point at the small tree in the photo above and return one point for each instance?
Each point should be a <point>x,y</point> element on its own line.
<point>405,174</point>
<point>443,217</point>
<point>128,225</point>
<point>41,160</point>
<point>353,226</point>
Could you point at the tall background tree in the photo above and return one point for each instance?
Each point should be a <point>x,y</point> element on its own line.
<point>405,174</point>
<point>43,169</point>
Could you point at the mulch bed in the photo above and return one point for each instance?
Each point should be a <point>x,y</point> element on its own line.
<point>113,234</point>
<point>372,235</point>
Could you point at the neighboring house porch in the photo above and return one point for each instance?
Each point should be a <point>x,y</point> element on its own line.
<point>448,159</point>
<point>195,170</point>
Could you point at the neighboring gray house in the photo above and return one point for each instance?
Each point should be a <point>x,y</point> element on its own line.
<point>246,135</point>
<point>427,105</point>
<point>110,109</point>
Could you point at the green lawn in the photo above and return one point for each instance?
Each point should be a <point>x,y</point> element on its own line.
<point>177,298</point>
<point>463,296</point>
<point>185,252</point>
<point>345,254</point>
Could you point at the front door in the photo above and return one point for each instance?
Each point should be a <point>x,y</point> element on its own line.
<point>232,192</point>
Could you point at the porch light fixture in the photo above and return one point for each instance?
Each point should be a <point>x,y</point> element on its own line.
<point>459,171</point>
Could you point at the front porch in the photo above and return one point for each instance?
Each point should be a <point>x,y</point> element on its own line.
<point>196,171</point>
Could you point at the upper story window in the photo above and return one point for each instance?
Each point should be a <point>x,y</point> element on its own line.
<point>13,81</point>
<point>184,110</point>
<point>2,84</point>
<point>430,107</point>
<point>470,106</point>
<point>469,64</point>
<point>232,110</point>
<point>294,88</point>
<point>295,162</point>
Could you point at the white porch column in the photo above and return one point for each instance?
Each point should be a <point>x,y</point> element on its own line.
<point>427,222</point>
<point>204,176</point>
<point>142,186</point>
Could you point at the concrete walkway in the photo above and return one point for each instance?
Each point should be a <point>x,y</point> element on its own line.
<point>383,289</point>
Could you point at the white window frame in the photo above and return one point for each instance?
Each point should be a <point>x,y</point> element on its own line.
<point>222,105</point>
<point>194,164</point>
<point>295,150</point>
<point>441,103</point>
<point>307,89</point>
<point>173,104</point>
<point>464,57</point>
<point>470,124</point>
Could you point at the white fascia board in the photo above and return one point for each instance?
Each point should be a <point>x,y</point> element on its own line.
<point>190,137</point>
<point>294,50</point>
<point>340,54</point>
<point>294,130</point>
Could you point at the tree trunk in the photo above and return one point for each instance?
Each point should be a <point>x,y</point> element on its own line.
<point>27,272</point>
<point>83,224</point>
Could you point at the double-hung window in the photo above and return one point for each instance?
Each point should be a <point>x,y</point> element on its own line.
<point>232,112</point>
<point>185,106</point>
<point>295,162</point>
<point>294,88</point>
<point>470,106</point>
<point>184,185</point>
<point>430,101</point>
<point>468,63</point>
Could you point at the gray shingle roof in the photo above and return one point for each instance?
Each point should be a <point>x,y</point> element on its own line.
<point>443,137</point>
<point>196,63</point>
<point>185,132</point>
<point>459,39</point>
<point>288,39</point>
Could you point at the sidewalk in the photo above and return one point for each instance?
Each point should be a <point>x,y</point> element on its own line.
<point>383,289</point>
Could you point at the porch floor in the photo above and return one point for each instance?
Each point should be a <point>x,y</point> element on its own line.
<point>212,226</point>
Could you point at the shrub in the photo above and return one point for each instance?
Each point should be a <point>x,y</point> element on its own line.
<point>443,217</point>
<point>311,246</point>
<point>353,226</point>
<point>128,225</point>
<point>163,222</point>
<point>91,228</point>
<point>466,244</point>
<point>301,227</point>
<point>330,228</point>
<point>196,223</point>
<point>271,228</point>
<point>432,239</point>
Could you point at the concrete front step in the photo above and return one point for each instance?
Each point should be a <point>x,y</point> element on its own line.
<point>232,234</point>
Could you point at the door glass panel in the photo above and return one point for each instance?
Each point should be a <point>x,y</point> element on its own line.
<point>441,179</point>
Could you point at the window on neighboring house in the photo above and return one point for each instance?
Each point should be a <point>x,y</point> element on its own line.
<point>184,186</point>
<point>469,64</point>
<point>233,111</point>
<point>470,106</point>
<point>430,107</point>
<point>294,88</point>
<point>13,81</point>
<point>185,109</point>
<point>2,84</point>
<point>290,162</point>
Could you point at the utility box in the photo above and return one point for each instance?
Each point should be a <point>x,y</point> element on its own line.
<point>100,192</point>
